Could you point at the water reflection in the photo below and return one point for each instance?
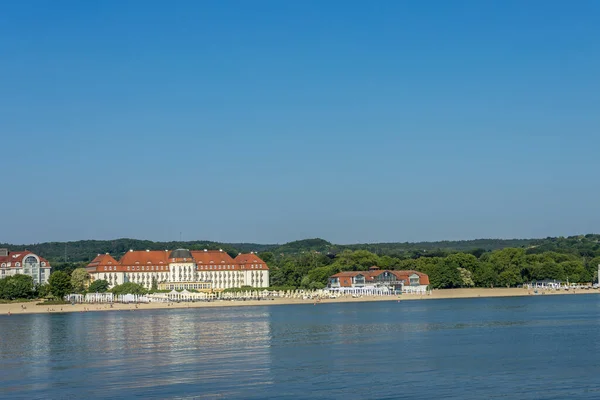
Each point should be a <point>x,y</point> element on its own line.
<point>514,348</point>
<point>136,352</point>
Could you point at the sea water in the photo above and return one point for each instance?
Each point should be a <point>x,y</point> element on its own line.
<point>537,347</point>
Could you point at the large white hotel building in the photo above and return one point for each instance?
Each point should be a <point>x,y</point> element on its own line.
<point>181,269</point>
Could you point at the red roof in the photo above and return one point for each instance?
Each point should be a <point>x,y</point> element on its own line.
<point>102,260</point>
<point>350,273</point>
<point>207,257</point>
<point>404,274</point>
<point>370,275</point>
<point>15,257</point>
<point>145,257</point>
<point>156,260</point>
<point>250,261</point>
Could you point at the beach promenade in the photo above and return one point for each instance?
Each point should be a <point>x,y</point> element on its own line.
<point>31,307</point>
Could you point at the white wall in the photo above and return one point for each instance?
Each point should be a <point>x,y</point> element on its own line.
<point>220,279</point>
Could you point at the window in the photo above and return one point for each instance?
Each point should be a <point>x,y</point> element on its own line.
<point>414,280</point>
<point>128,268</point>
<point>17,265</point>
<point>43,264</point>
<point>3,265</point>
<point>30,260</point>
<point>105,268</point>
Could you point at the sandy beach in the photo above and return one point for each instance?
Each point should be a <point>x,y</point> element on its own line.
<point>31,307</point>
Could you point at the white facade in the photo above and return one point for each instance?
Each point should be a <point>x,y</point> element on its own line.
<point>225,279</point>
<point>216,268</point>
<point>24,263</point>
<point>220,279</point>
<point>182,272</point>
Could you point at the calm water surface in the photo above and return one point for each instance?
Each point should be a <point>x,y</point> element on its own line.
<point>525,348</point>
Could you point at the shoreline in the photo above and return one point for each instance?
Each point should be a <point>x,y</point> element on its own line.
<point>439,294</point>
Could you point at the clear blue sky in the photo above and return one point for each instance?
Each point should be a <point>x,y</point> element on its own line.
<point>274,121</point>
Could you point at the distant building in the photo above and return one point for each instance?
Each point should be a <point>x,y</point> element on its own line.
<point>376,277</point>
<point>207,269</point>
<point>25,263</point>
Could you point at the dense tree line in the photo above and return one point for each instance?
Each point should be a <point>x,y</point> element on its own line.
<point>83,251</point>
<point>500,268</point>
<point>308,263</point>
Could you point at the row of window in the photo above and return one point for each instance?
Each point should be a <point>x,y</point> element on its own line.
<point>260,266</point>
<point>17,264</point>
<point>179,286</point>
<point>160,268</point>
<point>137,268</point>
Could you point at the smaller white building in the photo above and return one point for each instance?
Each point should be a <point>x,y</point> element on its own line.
<point>25,263</point>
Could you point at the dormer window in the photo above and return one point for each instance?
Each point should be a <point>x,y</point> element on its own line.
<point>17,264</point>
<point>3,265</point>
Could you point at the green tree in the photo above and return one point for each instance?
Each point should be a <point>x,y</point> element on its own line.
<point>16,287</point>
<point>551,270</point>
<point>575,271</point>
<point>358,260</point>
<point>42,290</point>
<point>509,277</point>
<point>592,268</point>
<point>443,274</point>
<point>485,275</point>
<point>505,259</point>
<point>267,256</point>
<point>22,286</point>
<point>463,260</point>
<point>466,277</point>
<point>319,277</point>
<point>129,288</point>
<point>79,277</point>
<point>154,283</point>
<point>387,262</point>
<point>305,282</point>
<point>60,284</point>
<point>99,286</point>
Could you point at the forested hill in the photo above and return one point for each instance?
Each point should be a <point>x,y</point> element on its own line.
<point>86,250</point>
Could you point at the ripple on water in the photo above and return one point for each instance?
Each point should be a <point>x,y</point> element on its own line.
<point>525,348</point>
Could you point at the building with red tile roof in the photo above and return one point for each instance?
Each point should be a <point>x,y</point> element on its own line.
<point>194,268</point>
<point>376,277</point>
<point>24,262</point>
